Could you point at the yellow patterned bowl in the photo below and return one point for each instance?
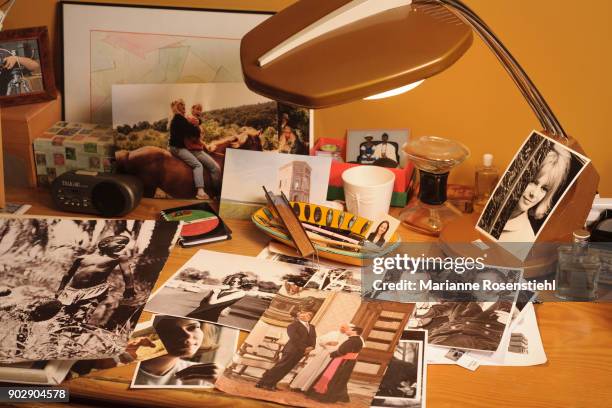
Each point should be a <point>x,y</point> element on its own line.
<point>331,219</point>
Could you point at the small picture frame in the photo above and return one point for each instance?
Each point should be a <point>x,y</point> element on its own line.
<point>26,69</point>
<point>381,147</point>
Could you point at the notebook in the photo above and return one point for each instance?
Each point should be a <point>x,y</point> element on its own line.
<point>201,224</point>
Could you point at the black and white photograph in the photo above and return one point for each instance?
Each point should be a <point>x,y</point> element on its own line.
<point>478,321</point>
<point>74,289</point>
<point>540,174</point>
<point>317,349</point>
<point>231,290</point>
<point>328,275</point>
<point>521,344</point>
<point>26,74</point>
<point>380,147</point>
<point>194,354</point>
<point>404,383</point>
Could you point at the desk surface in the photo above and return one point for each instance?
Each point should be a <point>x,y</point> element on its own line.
<point>577,339</point>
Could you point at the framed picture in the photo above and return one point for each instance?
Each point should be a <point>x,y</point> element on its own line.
<point>106,44</point>
<point>382,147</point>
<point>26,70</point>
<point>537,179</point>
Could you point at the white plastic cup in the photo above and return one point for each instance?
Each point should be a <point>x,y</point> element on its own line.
<point>368,190</point>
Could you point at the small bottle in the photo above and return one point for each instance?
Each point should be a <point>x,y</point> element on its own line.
<point>486,180</point>
<point>578,269</point>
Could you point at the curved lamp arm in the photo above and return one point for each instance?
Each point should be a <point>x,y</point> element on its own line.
<point>547,118</point>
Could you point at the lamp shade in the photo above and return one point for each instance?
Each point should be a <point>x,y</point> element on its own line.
<point>374,54</point>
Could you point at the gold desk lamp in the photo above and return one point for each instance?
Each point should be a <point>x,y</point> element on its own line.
<point>320,53</point>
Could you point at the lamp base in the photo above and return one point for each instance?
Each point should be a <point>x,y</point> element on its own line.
<point>457,240</point>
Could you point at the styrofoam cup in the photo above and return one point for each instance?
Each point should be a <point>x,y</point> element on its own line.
<point>368,190</point>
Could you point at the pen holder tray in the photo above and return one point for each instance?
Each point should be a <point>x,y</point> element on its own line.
<point>349,227</point>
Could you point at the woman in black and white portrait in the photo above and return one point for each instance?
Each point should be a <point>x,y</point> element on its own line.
<point>217,303</point>
<point>537,199</point>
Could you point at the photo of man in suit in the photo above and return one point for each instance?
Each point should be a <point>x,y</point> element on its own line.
<point>302,340</point>
<point>386,150</point>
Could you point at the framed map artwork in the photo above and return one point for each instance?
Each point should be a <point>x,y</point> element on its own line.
<point>107,44</point>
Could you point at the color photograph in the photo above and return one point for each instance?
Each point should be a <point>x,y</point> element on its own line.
<point>300,178</point>
<point>20,71</point>
<point>317,349</point>
<point>193,353</point>
<point>26,67</point>
<point>380,147</point>
<point>174,136</point>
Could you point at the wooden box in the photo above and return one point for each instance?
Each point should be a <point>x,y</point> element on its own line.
<point>20,126</point>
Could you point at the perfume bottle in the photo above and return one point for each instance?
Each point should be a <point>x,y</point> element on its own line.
<point>578,269</point>
<point>486,180</point>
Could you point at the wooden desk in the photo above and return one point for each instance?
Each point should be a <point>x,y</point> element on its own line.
<point>577,339</point>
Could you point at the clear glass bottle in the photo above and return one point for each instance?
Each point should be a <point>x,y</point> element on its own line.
<point>578,269</point>
<point>486,179</point>
<point>435,157</point>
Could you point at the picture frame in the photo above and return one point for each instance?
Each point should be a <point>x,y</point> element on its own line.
<point>106,44</point>
<point>382,147</point>
<point>28,76</point>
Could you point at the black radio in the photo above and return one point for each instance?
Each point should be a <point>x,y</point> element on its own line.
<point>90,192</point>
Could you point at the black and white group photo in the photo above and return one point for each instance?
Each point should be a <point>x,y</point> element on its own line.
<point>76,288</point>
<point>320,275</point>
<point>541,173</point>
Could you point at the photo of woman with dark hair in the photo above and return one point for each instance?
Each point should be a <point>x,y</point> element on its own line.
<point>378,236</point>
<point>218,301</point>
